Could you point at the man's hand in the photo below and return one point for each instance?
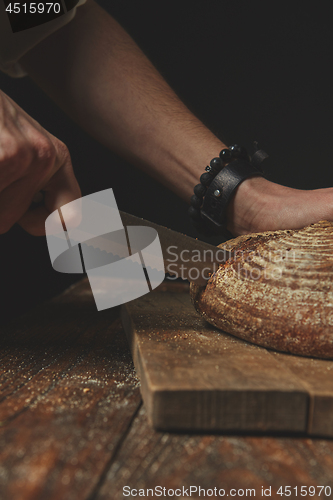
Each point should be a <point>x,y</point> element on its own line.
<point>260,205</point>
<point>31,160</point>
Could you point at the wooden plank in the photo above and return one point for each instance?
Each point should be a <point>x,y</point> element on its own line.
<point>148,459</point>
<point>70,427</point>
<point>196,377</point>
<point>317,377</point>
<point>69,396</point>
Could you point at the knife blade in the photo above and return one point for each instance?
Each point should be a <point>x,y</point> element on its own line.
<point>184,257</point>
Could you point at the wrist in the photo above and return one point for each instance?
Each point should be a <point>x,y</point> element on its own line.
<point>246,208</point>
<point>218,185</point>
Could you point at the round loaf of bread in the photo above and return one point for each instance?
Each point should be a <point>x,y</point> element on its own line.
<point>275,290</point>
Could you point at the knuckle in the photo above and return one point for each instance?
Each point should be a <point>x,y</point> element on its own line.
<point>24,155</point>
<point>9,150</point>
<point>15,156</point>
<point>63,151</point>
<point>44,150</point>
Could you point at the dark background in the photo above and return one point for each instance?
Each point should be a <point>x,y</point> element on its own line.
<point>249,70</point>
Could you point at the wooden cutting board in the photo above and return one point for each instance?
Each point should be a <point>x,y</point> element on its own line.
<point>195,377</point>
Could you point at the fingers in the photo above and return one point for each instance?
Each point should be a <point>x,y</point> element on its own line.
<point>15,157</point>
<point>31,160</point>
<point>14,202</point>
<point>26,166</point>
<point>33,221</point>
<point>61,189</point>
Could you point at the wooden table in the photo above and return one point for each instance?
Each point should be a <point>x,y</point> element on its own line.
<point>73,425</point>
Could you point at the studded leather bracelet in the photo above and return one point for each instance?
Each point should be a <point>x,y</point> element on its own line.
<point>218,183</point>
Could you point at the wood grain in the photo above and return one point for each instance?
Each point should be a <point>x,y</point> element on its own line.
<point>150,458</point>
<point>71,429</point>
<point>196,377</point>
<point>317,377</point>
<point>68,396</point>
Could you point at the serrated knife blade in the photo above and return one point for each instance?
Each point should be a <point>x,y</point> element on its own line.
<point>184,257</point>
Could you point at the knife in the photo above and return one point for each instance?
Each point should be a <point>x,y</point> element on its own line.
<point>184,257</point>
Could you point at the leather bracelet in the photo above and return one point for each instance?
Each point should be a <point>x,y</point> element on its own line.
<point>217,185</point>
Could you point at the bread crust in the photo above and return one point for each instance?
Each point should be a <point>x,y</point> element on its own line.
<point>276,290</point>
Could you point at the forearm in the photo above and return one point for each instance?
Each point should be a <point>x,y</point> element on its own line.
<point>98,75</point>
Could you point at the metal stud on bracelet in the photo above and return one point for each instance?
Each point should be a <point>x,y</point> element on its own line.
<point>217,185</point>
